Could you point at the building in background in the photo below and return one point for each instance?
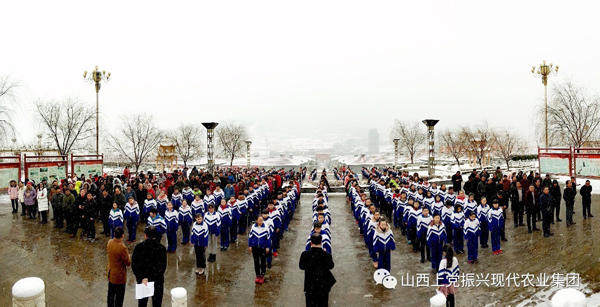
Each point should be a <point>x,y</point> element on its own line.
<point>373,141</point>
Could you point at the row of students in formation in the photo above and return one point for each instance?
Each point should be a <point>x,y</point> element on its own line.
<point>321,220</point>
<point>267,231</point>
<point>377,234</point>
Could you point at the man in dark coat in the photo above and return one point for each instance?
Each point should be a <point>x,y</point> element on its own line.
<point>457,181</point>
<point>90,214</point>
<point>119,198</point>
<point>586,199</point>
<point>105,205</point>
<point>531,207</point>
<point>556,197</point>
<point>517,198</point>
<point>149,263</point>
<point>318,280</point>
<point>547,211</point>
<point>569,197</point>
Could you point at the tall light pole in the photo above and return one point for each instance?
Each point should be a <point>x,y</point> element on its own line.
<point>210,149</point>
<point>97,77</point>
<point>396,152</point>
<point>430,123</point>
<point>544,71</point>
<point>248,143</point>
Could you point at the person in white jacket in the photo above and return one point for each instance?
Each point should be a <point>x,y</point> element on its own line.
<point>22,198</point>
<point>42,197</point>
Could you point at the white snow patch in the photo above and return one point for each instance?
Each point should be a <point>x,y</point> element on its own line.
<point>28,287</point>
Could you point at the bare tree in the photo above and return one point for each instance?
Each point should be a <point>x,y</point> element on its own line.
<point>573,116</point>
<point>232,140</point>
<point>187,140</point>
<point>478,140</point>
<point>8,88</point>
<point>411,135</point>
<point>137,139</point>
<point>68,123</point>
<point>454,145</point>
<point>507,145</point>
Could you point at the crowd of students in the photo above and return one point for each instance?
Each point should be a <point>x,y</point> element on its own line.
<point>194,206</point>
<point>437,220</point>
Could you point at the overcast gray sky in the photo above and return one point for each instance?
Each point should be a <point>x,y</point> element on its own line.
<point>321,70</point>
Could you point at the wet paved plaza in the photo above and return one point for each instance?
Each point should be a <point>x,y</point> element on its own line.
<point>75,271</point>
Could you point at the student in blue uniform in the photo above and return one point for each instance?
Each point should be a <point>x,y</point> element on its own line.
<point>235,218</point>
<point>242,208</point>
<point>188,195</point>
<point>325,243</point>
<point>472,232</point>
<point>470,205</point>
<point>198,206</point>
<point>422,227</point>
<point>383,245</point>
<point>496,220</point>
<point>185,221</point>
<point>399,207</point>
<point>438,205</point>
<point>482,214</point>
<point>275,216</point>
<point>158,222</point>
<point>209,199</point>
<point>219,195</point>
<point>115,219</point>
<point>176,199</point>
<point>132,216</point>
<point>436,238</point>
<point>412,215</point>
<point>269,223</point>
<point>428,201</point>
<point>458,221</point>
<point>224,212</point>
<point>446,218</point>
<point>371,229</point>
<point>161,203</point>
<point>213,222</point>
<point>259,242</point>
<point>172,220</point>
<point>149,203</point>
<point>200,241</point>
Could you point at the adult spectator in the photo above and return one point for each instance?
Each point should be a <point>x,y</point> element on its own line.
<point>318,280</point>
<point>149,263</point>
<point>556,197</point>
<point>569,197</point>
<point>517,196</point>
<point>118,261</point>
<point>586,199</point>
<point>547,211</point>
<point>457,181</point>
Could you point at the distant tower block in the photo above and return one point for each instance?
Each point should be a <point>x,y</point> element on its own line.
<point>248,143</point>
<point>210,149</point>
<point>373,141</point>
<point>430,123</point>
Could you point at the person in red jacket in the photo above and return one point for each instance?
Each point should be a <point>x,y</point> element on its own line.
<point>126,172</point>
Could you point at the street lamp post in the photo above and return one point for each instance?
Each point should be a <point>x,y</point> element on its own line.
<point>396,152</point>
<point>544,71</point>
<point>97,77</point>
<point>210,150</point>
<point>248,143</point>
<point>430,123</point>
